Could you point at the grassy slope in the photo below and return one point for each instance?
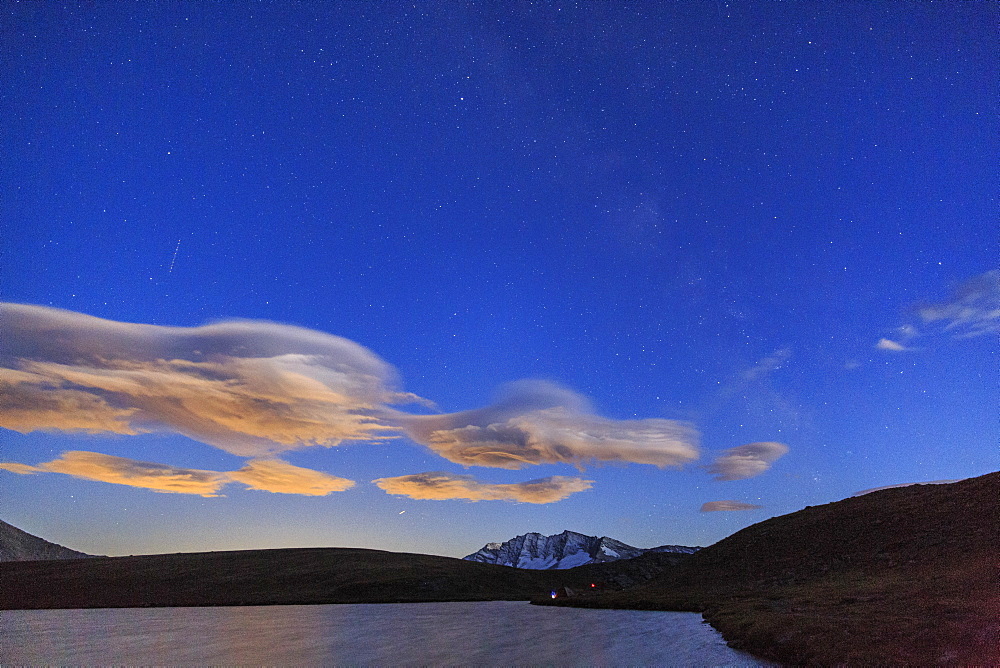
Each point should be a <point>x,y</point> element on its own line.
<point>902,576</point>
<point>290,576</point>
<point>257,577</point>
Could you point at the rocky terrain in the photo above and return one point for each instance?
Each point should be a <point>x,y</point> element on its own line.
<point>17,545</point>
<point>565,550</point>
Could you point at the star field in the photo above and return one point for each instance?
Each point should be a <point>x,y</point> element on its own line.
<point>623,261</point>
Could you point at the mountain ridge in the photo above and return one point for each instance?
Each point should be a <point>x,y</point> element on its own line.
<point>19,545</point>
<point>565,550</point>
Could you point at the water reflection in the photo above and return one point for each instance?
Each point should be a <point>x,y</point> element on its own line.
<point>495,633</point>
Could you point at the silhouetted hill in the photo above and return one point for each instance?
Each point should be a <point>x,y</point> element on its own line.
<point>292,576</point>
<point>18,545</point>
<point>901,576</point>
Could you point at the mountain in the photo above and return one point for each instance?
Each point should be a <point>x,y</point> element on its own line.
<point>17,545</point>
<point>904,576</point>
<point>565,550</point>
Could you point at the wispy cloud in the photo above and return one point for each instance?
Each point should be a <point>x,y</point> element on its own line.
<point>895,346</point>
<point>441,486</point>
<point>747,461</point>
<point>756,390</point>
<point>22,469</point>
<point>713,506</point>
<point>537,422</point>
<point>267,475</point>
<point>123,471</point>
<point>771,363</point>
<point>972,310</point>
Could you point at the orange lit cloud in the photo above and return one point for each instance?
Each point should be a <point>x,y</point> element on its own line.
<point>713,506</point>
<point>23,469</point>
<point>440,486</point>
<point>541,423</point>
<point>122,471</point>
<point>250,388</point>
<point>747,461</point>
<point>266,475</point>
<point>258,389</point>
<point>274,475</point>
<point>29,400</point>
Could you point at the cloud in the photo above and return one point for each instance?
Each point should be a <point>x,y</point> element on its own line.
<point>770,363</point>
<point>536,422</point>
<point>905,484</point>
<point>751,389</point>
<point>886,344</point>
<point>713,506</point>
<point>899,342</point>
<point>251,388</point>
<point>973,309</point>
<point>22,469</point>
<point>274,475</point>
<point>122,471</point>
<point>29,400</point>
<point>747,461</point>
<point>257,389</point>
<point>267,475</point>
<point>440,486</point>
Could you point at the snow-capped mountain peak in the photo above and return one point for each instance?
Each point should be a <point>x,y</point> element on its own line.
<point>565,550</point>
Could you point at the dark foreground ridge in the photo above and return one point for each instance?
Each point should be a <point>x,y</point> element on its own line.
<point>906,576</point>
<point>293,576</point>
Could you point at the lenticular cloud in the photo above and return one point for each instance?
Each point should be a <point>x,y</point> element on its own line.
<point>537,422</point>
<point>250,388</point>
<point>266,475</point>
<point>747,461</point>
<point>716,506</point>
<point>257,389</point>
<point>122,471</point>
<point>441,486</point>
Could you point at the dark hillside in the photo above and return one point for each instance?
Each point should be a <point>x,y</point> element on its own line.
<point>623,573</point>
<point>18,545</point>
<point>905,575</point>
<point>257,577</point>
<point>290,576</point>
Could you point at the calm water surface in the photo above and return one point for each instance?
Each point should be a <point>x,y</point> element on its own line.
<point>494,633</point>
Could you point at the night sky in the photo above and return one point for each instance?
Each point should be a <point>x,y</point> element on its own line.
<point>422,276</point>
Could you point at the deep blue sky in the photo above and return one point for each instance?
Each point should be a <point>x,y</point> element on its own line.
<point>693,212</point>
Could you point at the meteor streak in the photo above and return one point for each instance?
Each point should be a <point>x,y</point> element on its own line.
<point>174,258</point>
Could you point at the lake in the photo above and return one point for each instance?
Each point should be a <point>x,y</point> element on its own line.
<point>490,633</point>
